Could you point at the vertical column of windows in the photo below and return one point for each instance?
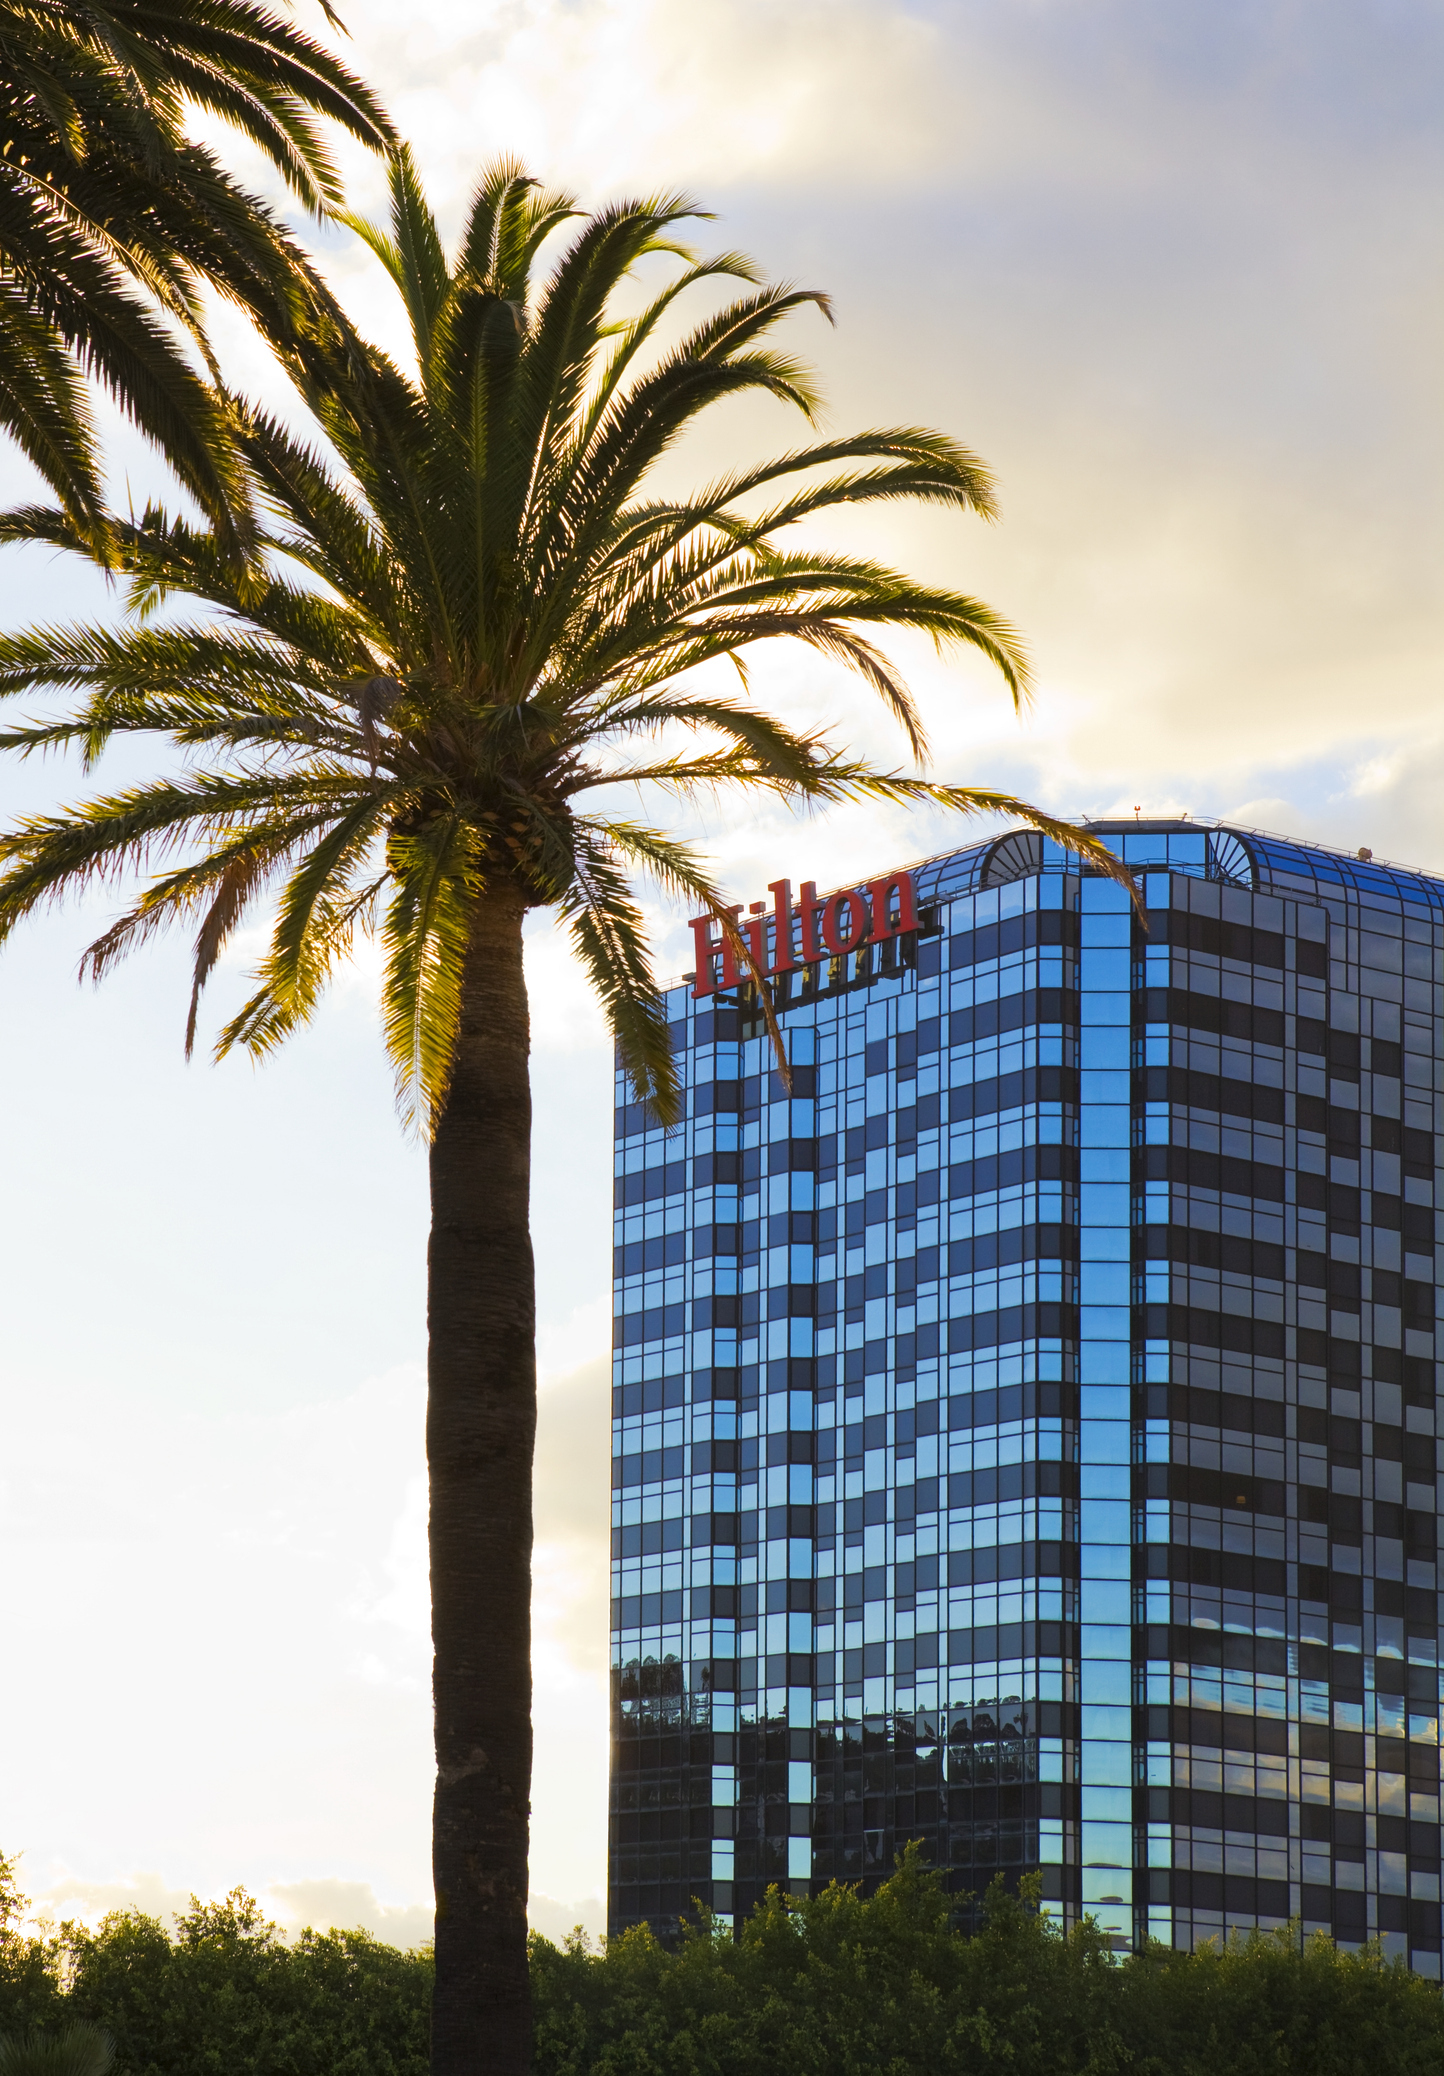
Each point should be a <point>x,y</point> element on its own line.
<point>1105,1018</point>
<point>1152,1295</point>
<point>1226,1079</point>
<point>1010,1298</point>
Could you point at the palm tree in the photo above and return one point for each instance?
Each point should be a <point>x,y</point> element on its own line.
<point>110,218</point>
<point>482,615</point>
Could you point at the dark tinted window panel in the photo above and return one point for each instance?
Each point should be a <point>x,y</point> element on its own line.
<point>1014,934</point>
<point>1197,1247</point>
<point>1023,1243</point>
<point>1011,1091</point>
<point>1194,1168</point>
<point>1216,939</point>
<point>1255,1023</point>
<point>1220,1093</point>
<point>1014,1013</point>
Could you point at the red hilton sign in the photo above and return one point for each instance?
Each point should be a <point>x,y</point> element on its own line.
<point>827,929</point>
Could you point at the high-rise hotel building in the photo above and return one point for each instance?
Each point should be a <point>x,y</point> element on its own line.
<point>1024,1430</point>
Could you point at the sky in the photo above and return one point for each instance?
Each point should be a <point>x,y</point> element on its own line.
<point>1175,274</point>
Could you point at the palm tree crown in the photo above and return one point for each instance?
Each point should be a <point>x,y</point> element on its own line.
<point>110,216</point>
<point>474,625</point>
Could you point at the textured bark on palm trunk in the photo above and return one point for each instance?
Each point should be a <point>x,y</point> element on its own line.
<point>480,1435</point>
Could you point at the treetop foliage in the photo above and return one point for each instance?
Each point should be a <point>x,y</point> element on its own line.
<point>839,1986</point>
<point>834,1985</point>
<point>224,1992</point>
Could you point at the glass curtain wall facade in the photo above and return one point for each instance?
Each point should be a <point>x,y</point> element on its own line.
<point>1024,1431</point>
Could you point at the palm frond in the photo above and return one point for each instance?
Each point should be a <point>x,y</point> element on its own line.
<point>45,410</point>
<point>420,263</point>
<point>510,217</point>
<point>48,858</point>
<point>176,897</point>
<point>602,919</point>
<point>437,880</point>
<point>111,218</point>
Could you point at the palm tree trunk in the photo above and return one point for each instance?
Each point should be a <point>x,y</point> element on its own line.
<point>480,1434</point>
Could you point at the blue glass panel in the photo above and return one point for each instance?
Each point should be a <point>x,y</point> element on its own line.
<point>1107,1805</point>
<point>1104,1164</point>
<point>1106,1283</point>
<point>1106,1680</point>
<point>1104,1036</point>
<point>1142,847</point>
<point>1105,1323</point>
<point>1109,1846</point>
<point>1111,1763</point>
<point>1104,1472</point>
<point>1100,921</point>
<point>1101,1204</point>
<point>1106,1600</point>
<point>1104,1126</point>
<point>1103,1640</point>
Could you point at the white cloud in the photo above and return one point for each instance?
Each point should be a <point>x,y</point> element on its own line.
<point>620,91</point>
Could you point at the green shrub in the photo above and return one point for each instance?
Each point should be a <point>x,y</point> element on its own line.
<point>831,1986</point>
<point>834,1986</point>
<point>224,1993</point>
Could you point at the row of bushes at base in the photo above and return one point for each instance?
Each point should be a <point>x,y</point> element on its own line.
<point>834,1986</point>
<point>839,1987</point>
<point>224,1995</point>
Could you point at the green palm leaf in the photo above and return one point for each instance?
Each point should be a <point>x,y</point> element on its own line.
<point>110,219</point>
<point>437,880</point>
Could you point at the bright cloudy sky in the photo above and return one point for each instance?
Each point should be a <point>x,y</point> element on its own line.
<point>1175,273</point>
